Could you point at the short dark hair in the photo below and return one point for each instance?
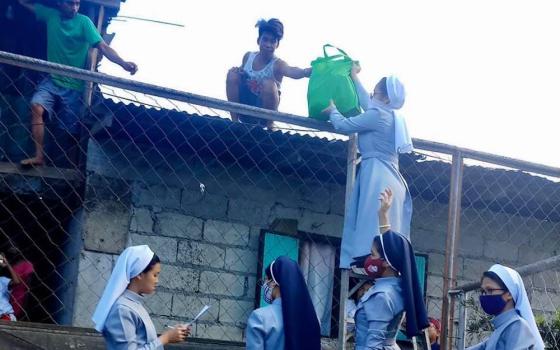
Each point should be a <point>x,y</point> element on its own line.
<point>14,255</point>
<point>494,277</point>
<point>155,260</point>
<point>272,26</point>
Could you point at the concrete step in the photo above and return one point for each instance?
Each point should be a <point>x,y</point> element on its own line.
<point>38,336</point>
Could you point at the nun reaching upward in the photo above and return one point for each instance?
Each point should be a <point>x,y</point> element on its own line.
<point>396,291</point>
<point>290,321</point>
<point>382,135</point>
<point>120,314</point>
<point>503,295</point>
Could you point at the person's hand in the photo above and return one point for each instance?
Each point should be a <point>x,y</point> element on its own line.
<point>176,334</point>
<point>356,68</point>
<point>130,67</point>
<point>385,199</point>
<point>3,260</point>
<point>330,108</point>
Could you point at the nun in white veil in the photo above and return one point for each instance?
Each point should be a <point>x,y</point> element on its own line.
<point>120,314</point>
<point>503,296</point>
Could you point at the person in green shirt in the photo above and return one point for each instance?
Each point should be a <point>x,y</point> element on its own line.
<point>70,35</point>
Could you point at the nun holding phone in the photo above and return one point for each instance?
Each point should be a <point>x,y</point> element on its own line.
<point>290,321</point>
<point>120,315</point>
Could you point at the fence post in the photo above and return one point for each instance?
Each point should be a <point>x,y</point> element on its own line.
<point>461,327</point>
<point>452,242</point>
<point>344,273</point>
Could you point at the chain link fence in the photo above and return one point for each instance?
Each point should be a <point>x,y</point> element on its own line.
<point>512,218</point>
<point>217,200</point>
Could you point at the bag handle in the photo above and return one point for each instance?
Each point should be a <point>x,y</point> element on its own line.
<point>334,47</point>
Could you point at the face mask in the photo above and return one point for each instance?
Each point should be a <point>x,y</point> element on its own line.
<point>492,304</point>
<point>374,267</point>
<point>267,291</point>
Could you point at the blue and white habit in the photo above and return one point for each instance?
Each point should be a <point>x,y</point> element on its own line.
<point>514,329</point>
<point>290,322</point>
<point>120,314</point>
<point>382,135</point>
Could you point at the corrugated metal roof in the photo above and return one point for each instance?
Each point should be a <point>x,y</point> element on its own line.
<point>322,159</point>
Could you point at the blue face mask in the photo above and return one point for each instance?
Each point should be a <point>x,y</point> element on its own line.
<point>267,291</point>
<point>492,304</point>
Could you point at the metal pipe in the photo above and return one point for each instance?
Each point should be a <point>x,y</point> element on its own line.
<point>525,270</point>
<point>132,85</point>
<point>344,273</point>
<point>461,327</point>
<point>150,89</point>
<point>452,242</point>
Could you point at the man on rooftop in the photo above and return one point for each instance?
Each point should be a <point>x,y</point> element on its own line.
<point>70,35</point>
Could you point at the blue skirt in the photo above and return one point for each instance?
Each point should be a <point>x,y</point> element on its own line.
<point>361,222</point>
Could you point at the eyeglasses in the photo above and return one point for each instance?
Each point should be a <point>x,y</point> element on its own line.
<point>489,291</point>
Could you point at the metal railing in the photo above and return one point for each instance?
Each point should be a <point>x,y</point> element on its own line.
<point>208,193</point>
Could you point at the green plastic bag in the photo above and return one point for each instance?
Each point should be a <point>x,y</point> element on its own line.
<point>330,79</point>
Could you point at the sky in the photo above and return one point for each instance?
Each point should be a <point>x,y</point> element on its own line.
<point>479,74</point>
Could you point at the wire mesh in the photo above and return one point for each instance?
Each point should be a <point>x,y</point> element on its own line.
<point>216,200</point>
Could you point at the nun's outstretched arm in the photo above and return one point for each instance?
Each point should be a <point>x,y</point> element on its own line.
<point>254,333</point>
<point>367,121</point>
<point>363,95</point>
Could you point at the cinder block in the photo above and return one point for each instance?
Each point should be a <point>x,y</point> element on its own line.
<point>501,251</point>
<point>473,269</point>
<point>235,310</point>
<point>94,272</point>
<point>106,227</point>
<point>164,247</point>
<point>178,225</point>
<point>206,206</point>
<point>222,283</point>
<point>188,306</point>
<point>141,221</point>
<point>427,241</point>
<point>241,260</point>
<point>324,224</point>
<point>201,254</point>
<point>226,232</point>
<point>156,196</point>
<point>179,278</point>
<point>471,244</point>
<point>279,211</point>
<point>248,212</point>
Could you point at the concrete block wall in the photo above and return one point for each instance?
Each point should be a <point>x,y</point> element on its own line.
<point>208,240</point>
<point>486,238</point>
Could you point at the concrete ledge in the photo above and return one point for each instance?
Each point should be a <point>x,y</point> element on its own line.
<point>36,336</point>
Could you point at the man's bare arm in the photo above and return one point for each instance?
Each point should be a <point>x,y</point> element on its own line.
<point>114,57</point>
